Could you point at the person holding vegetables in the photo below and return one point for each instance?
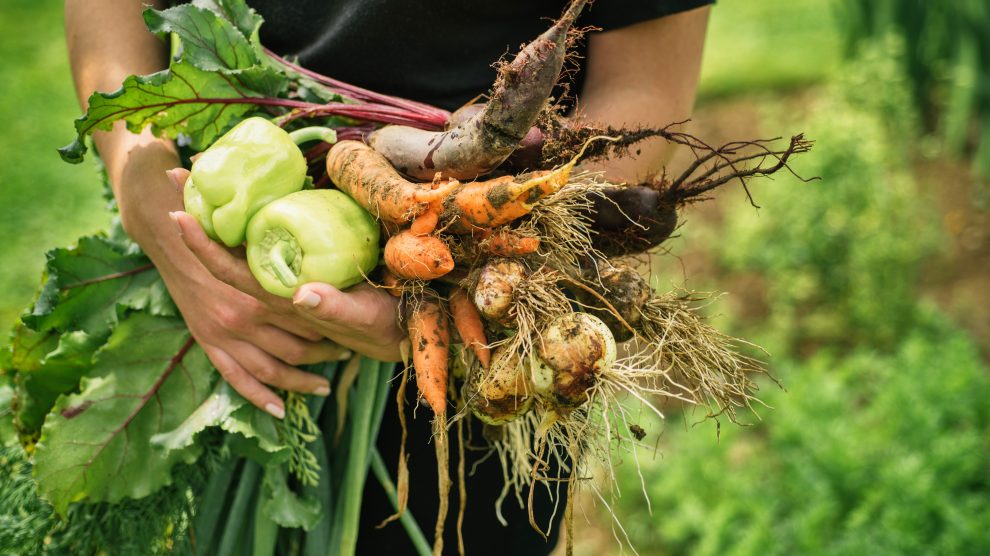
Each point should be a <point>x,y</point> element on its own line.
<point>640,65</point>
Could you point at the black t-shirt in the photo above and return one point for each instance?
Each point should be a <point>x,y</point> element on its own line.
<point>436,51</point>
<point>441,52</point>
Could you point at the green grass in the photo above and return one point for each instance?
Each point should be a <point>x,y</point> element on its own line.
<point>758,45</point>
<point>44,202</point>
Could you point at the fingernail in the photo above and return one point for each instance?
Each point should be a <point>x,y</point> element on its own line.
<point>323,391</point>
<point>346,354</point>
<point>175,219</point>
<point>175,180</point>
<point>308,299</point>
<point>276,411</point>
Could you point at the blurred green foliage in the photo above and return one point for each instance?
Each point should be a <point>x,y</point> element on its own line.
<point>947,62</point>
<point>842,254</point>
<point>881,443</point>
<point>764,45</point>
<point>866,453</point>
<point>44,202</point>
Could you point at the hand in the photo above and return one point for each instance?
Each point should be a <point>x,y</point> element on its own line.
<point>363,318</point>
<point>250,346</point>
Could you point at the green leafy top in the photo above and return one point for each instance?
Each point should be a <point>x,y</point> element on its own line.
<point>96,444</point>
<point>221,77</point>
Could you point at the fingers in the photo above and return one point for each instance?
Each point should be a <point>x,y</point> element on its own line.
<point>293,324</point>
<point>296,351</point>
<point>178,177</point>
<point>245,384</point>
<point>222,264</point>
<point>269,370</point>
<point>354,310</point>
<point>362,318</point>
<point>255,369</point>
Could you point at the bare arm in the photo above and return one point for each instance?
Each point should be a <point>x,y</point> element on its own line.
<point>645,74</point>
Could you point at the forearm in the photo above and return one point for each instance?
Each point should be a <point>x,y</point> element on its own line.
<point>107,41</point>
<point>644,75</point>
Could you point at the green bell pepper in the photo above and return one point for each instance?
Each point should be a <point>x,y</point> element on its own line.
<point>253,164</point>
<point>319,235</point>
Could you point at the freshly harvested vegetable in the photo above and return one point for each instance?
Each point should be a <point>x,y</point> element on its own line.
<point>429,333</point>
<point>479,144</point>
<point>573,351</point>
<point>630,219</point>
<point>502,394</point>
<point>480,206</point>
<point>507,243</point>
<point>469,325</point>
<point>464,207</point>
<point>415,257</point>
<point>370,179</point>
<point>253,164</point>
<point>625,290</point>
<point>493,292</point>
<point>311,236</point>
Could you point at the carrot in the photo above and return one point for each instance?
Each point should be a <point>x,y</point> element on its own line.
<point>468,322</point>
<point>429,332</point>
<point>481,142</point>
<point>426,222</point>
<point>480,205</point>
<point>417,257</point>
<point>508,243</point>
<point>391,283</point>
<point>369,179</point>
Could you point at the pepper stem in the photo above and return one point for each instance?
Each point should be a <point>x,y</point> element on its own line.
<point>280,267</point>
<point>313,133</point>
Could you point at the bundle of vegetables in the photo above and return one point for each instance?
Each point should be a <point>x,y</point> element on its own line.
<point>513,268</point>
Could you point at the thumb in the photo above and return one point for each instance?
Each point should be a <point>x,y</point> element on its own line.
<point>178,177</point>
<point>324,302</point>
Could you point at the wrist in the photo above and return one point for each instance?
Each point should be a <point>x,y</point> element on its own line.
<point>136,166</point>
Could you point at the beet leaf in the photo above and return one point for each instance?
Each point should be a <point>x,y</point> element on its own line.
<point>96,445</point>
<point>88,285</point>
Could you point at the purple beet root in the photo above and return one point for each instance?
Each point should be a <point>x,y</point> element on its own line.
<point>481,142</point>
<point>631,219</point>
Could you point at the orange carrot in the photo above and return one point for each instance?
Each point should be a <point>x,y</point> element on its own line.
<point>417,257</point>
<point>429,332</point>
<point>481,205</point>
<point>368,177</point>
<point>370,180</point>
<point>469,325</point>
<point>507,243</point>
<point>425,223</point>
<point>391,283</point>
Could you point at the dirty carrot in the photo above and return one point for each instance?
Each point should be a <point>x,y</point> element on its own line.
<point>429,332</point>
<point>508,243</point>
<point>417,257</point>
<point>369,179</point>
<point>469,325</point>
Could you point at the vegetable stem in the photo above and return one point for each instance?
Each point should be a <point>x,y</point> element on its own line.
<point>235,530</point>
<point>361,404</point>
<point>280,266</point>
<point>313,133</point>
<point>406,518</point>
